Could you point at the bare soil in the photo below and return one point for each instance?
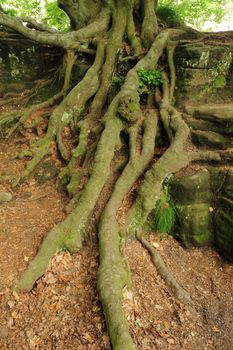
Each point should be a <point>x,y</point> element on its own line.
<point>63,310</point>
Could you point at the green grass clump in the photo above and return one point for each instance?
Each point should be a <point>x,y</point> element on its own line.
<point>164,214</point>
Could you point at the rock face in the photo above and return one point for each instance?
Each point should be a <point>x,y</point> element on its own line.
<point>192,197</point>
<point>224,215</point>
<point>204,72</point>
<point>21,62</point>
<point>211,125</point>
<point>204,204</point>
<point>204,93</point>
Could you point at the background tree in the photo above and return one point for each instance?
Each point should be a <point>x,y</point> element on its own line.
<point>132,48</point>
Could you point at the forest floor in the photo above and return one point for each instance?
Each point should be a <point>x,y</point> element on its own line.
<point>63,310</point>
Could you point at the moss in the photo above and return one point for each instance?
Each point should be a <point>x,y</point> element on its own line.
<point>224,233</point>
<point>219,82</point>
<point>211,139</point>
<point>191,189</point>
<point>203,71</point>
<point>228,185</point>
<point>136,224</point>
<point>46,172</point>
<point>201,240</point>
<point>129,108</point>
<point>195,226</point>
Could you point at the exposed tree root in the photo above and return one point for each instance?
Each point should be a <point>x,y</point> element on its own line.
<point>71,106</point>
<point>174,159</point>
<point>112,275</point>
<point>99,139</point>
<point>169,279</point>
<point>69,234</point>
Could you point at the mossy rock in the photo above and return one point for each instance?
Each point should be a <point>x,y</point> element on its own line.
<point>224,232</point>
<point>195,225</point>
<point>211,139</point>
<point>46,172</point>
<point>5,197</point>
<point>217,179</point>
<point>209,125</point>
<point>203,72</point>
<point>202,56</point>
<point>22,62</point>
<point>228,185</point>
<point>191,189</point>
<point>129,108</point>
<point>225,204</point>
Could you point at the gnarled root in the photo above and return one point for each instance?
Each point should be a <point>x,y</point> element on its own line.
<point>69,108</point>
<point>169,279</point>
<point>100,141</point>
<point>69,234</point>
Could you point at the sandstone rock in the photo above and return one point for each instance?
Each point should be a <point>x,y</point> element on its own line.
<point>5,197</point>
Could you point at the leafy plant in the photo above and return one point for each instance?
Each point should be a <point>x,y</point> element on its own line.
<point>55,16</point>
<point>118,79</point>
<point>45,11</point>
<point>164,214</point>
<point>169,15</point>
<point>149,79</point>
<point>192,12</point>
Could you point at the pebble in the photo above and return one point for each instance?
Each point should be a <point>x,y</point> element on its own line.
<point>3,332</point>
<point>5,197</point>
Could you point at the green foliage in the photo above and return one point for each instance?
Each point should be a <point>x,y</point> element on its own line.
<point>169,15</point>
<point>149,79</point>
<point>56,17</point>
<point>164,214</point>
<point>47,12</point>
<point>11,12</point>
<point>118,80</point>
<point>192,12</point>
<point>22,8</point>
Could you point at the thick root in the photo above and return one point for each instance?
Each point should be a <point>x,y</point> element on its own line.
<point>149,24</point>
<point>69,108</point>
<point>112,274</point>
<point>69,234</point>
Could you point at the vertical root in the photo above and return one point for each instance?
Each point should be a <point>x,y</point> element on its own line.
<point>174,159</point>
<point>112,274</point>
<point>131,32</point>
<point>149,24</point>
<point>69,234</point>
<point>170,57</point>
<point>72,105</point>
<point>114,44</point>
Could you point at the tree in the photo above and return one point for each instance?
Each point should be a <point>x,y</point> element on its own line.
<point>123,36</point>
<point>193,12</point>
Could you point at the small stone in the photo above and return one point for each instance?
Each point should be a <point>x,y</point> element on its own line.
<point>10,322</point>
<point>11,304</point>
<point>170,341</point>
<point>3,332</point>
<point>5,197</point>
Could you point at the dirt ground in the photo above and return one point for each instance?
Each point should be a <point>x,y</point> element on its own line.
<point>63,310</point>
